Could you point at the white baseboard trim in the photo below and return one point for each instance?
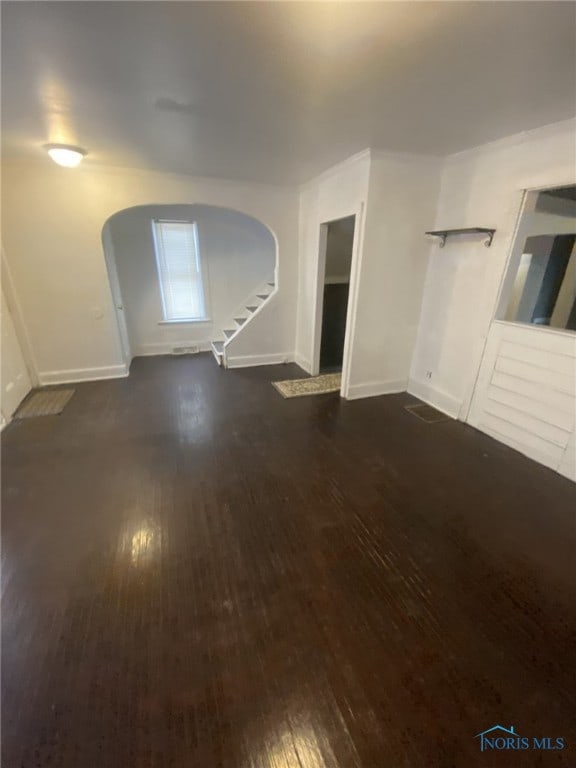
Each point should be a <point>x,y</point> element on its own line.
<point>567,470</point>
<point>306,365</point>
<point>375,388</point>
<point>247,361</point>
<point>76,375</point>
<point>435,397</point>
<point>165,348</point>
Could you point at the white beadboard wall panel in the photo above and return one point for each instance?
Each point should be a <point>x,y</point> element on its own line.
<point>556,362</point>
<point>561,401</point>
<point>532,425</point>
<point>568,464</point>
<point>539,337</point>
<point>553,380</point>
<point>525,394</point>
<point>524,404</point>
<point>540,451</point>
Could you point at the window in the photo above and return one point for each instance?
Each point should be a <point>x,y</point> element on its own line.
<point>179,270</point>
<point>544,287</point>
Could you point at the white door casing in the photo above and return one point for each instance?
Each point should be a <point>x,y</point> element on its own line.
<point>15,377</point>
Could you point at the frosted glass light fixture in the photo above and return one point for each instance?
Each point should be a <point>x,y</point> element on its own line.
<point>65,154</point>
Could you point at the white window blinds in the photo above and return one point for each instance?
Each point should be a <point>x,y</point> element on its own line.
<point>179,270</point>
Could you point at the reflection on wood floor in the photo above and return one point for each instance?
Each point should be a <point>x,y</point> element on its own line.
<point>198,573</point>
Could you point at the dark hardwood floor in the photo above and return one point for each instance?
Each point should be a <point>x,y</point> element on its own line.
<point>198,573</point>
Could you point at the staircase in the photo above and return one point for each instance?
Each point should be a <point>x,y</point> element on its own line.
<point>241,318</point>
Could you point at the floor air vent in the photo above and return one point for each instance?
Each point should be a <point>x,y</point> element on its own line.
<point>426,413</point>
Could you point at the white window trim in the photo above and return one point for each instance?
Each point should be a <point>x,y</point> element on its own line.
<point>206,319</point>
<point>186,321</point>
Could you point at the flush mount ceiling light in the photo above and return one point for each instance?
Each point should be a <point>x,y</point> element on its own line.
<point>66,154</point>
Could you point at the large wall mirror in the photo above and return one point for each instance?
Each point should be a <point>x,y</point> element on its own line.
<point>542,290</point>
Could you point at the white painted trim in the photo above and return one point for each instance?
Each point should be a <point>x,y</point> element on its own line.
<point>353,291</point>
<point>20,327</point>
<point>568,472</point>
<point>375,388</point>
<point>202,321</point>
<point>435,397</point>
<point>306,365</point>
<point>123,340</point>
<point>354,282</point>
<point>74,375</point>
<point>319,303</point>
<point>248,361</point>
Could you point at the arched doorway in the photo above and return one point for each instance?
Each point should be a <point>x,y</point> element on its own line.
<point>235,255</point>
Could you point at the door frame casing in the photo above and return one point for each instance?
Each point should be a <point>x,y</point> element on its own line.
<point>116,295</point>
<point>358,214</point>
<point>319,308</point>
<point>17,314</point>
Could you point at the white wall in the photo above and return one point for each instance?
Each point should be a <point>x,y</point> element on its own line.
<point>52,232</point>
<point>394,199</point>
<point>480,187</point>
<point>339,192</point>
<point>237,253</point>
<point>401,205</point>
<point>484,187</point>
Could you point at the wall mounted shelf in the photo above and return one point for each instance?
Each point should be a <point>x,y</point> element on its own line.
<point>443,234</point>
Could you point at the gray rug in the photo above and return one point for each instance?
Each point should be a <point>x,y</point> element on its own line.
<point>317,385</point>
<point>44,403</point>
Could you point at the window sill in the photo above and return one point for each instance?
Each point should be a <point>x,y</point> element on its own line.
<point>204,320</point>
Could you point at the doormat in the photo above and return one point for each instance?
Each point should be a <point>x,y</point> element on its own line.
<point>44,403</point>
<point>317,385</point>
<point>427,413</point>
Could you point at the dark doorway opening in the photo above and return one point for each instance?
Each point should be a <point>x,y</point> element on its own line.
<point>339,243</point>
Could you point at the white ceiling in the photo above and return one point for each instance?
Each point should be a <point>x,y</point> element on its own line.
<point>278,91</point>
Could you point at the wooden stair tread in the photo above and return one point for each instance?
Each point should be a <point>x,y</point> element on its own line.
<point>229,333</point>
<point>218,346</point>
